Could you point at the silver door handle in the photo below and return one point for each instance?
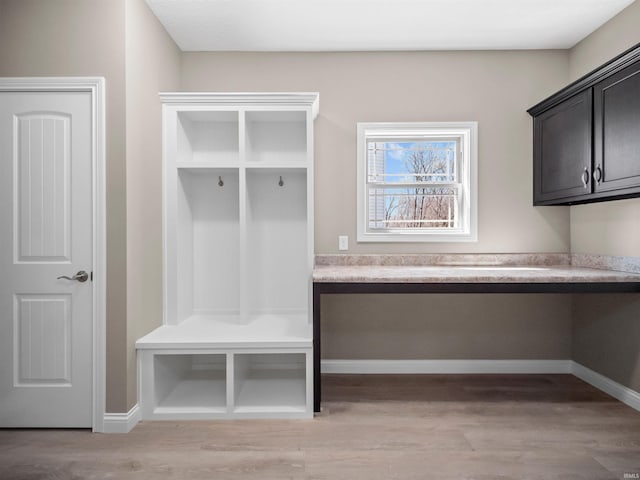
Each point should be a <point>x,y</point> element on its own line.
<point>81,277</point>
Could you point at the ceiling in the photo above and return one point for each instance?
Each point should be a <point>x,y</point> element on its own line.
<point>378,25</point>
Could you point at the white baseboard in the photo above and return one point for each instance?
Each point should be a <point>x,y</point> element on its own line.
<point>125,422</point>
<point>624,394</point>
<point>121,422</point>
<point>616,390</point>
<point>445,366</point>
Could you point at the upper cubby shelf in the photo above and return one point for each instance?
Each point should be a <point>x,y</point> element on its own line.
<point>210,137</point>
<point>276,137</point>
<point>229,130</point>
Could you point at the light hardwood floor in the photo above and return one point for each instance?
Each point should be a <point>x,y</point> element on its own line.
<point>372,427</point>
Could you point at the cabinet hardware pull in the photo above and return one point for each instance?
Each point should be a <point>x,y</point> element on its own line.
<point>220,182</point>
<point>585,177</point>
<point>597,174</point>
<point>281,182</point>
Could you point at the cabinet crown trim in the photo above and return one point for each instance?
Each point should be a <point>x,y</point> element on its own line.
<point>614,65</point>
<point>239,99</point>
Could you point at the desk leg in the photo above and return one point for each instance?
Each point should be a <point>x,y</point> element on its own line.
<point>317,384</point>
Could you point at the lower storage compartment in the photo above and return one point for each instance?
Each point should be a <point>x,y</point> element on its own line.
<point>190,383</point>
<point>270,383</point>
<point>176,384</point>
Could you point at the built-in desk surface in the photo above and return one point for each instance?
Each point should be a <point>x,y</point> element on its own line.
<point>497,273</point>
<point>468,274</point>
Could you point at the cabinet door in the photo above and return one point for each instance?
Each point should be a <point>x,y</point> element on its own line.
<point>562,151</point>
<point>617,132</point>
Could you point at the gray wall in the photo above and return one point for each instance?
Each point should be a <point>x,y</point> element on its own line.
<point>452,326</point>
<point>71,38</point>
<point>609,228</point>
<point>606,329</point>
<point>123,42</point>
<point>152,66</point>
<point>494,88</point>
<point>606,336</point>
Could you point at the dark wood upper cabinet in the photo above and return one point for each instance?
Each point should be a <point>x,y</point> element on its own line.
<point>562,150</point>
<point>616,135</point>
<point>586,137</point>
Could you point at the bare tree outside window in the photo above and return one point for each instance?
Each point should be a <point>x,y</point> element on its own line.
<point>419,184</point>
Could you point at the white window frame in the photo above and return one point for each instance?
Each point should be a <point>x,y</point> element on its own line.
<point>467,132</point>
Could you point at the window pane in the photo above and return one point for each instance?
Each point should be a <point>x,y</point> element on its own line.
<point>412,161</point>
<point>413,208</point>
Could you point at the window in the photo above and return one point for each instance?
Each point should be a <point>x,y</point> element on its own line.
<point>417,182</point>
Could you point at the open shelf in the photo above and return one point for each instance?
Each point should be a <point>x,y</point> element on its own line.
<point>190,383</point>
<point>277,241</point>
<point>270,383</point>
<point>208,239</point>
<point>207,137</point>
<point>276,136</point>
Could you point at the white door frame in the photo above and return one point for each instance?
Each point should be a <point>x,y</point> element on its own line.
<point>96,87</point>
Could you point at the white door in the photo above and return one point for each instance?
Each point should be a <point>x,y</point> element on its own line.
<point>46,213</point>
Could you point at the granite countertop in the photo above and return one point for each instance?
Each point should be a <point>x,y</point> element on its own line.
<point>496,268</point>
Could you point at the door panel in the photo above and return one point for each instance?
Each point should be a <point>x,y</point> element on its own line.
<point>42,340</point>
<point>562,150</point>
<point>46,205</point>
<point>42,168</point>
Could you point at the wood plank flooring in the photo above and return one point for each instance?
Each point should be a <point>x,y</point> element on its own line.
<point>373,427</point>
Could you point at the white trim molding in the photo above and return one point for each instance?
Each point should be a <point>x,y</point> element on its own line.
<point>624,394</point>
<point>121,422</point>
<point>620,392</point>
<point>96,87</point>
<point>248,99</point>
<point>465,135</point>
<point>445,366</point>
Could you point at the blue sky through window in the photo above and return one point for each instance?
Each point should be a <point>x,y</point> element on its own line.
<point>399,166</point>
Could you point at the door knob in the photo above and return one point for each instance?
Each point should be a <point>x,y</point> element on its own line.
<point>81,276</point>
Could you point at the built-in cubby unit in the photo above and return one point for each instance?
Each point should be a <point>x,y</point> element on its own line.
<point>236,338</point>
